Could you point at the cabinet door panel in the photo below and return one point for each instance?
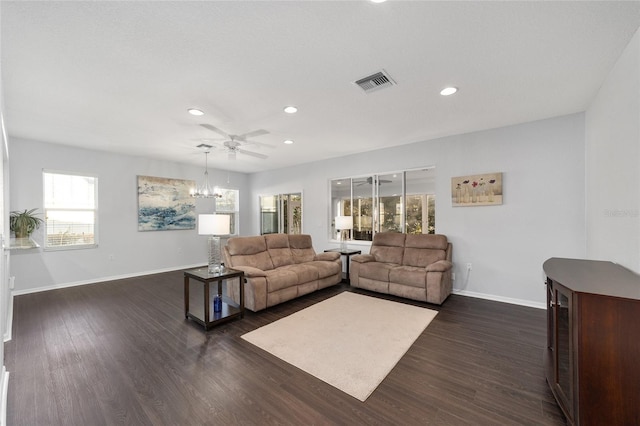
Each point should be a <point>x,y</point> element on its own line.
<point>563,347</point>
<point>563,350</point>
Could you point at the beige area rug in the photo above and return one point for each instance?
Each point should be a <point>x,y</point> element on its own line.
<point>349,341</point>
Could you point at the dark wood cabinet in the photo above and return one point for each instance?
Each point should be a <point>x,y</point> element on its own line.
<point>593,341</point>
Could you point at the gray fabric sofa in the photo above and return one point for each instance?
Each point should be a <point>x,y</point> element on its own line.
<point>279,267</point>
<point>413,266</point>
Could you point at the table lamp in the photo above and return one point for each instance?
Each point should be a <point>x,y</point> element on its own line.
<point>214,225</point>
<point>344,224</point>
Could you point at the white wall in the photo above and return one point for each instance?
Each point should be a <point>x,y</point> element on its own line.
<point>612,133</point>
<point>134,252</point>
<point>542,215</point>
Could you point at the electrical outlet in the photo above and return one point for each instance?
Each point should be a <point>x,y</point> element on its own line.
<point>469,266</point>
<point>112,257</point>
<point>453,276</point>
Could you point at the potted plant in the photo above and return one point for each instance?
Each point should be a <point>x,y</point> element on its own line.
<point>24,223</point>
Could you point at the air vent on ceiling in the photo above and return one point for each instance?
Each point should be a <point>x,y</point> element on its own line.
<point>376,81</point>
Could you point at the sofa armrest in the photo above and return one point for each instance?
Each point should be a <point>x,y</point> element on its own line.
<point>439,266</point>
<point>363,258</point>
<point>328,255</point>
<point>250,271</point>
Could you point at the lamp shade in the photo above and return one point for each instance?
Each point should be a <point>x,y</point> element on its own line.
<point>213,224</point>
<point>344,222</point>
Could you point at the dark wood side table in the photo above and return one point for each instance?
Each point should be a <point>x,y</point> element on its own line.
<point>207,317</point>
<point>347,253</point>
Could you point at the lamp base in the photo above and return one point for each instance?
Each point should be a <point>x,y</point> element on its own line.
<point>216,268</point>
<point>215,256</point>
<point>343,240</point>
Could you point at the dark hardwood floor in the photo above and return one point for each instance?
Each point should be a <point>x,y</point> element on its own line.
<point>122,353</point>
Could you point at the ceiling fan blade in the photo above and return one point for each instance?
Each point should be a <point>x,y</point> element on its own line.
<point>253,134</point>
<point>253,154</point>
<point>215,129</point>
<point>266,145</point>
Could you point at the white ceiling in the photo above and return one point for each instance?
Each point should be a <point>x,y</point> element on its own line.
<point>119,76</point>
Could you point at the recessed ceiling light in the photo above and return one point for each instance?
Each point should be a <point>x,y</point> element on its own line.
<point>288,142</point>
<point>194,111</point>
<point>448,91</point>
<point>290,109</point>
<point>378,1</point>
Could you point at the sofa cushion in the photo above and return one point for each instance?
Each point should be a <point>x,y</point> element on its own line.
<point>249,251</point>
<point>280,278</point>
<point>278,248</point>
<point>388,247</point>
<point>409,275</point>
<point>305,273</point>
<point>429,241</point>
<point>424,249</point>
<point>301,248</point>
<point>326,268</point>
<point>421,257</point>
<point>246,245</point>
<point>376,270</point>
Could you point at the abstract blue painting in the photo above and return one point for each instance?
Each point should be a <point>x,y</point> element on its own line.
<point>165,204</point>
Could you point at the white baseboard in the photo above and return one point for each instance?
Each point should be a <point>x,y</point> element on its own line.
<point>4,383</point>
<point>102,279</point>
<point>501,299</point>
<point>9,322</point>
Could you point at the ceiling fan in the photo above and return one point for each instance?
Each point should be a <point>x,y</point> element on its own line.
<point>369,181</point>
<point>234,143</point>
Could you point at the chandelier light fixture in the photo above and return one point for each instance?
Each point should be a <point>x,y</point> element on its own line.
<point>205,190</point>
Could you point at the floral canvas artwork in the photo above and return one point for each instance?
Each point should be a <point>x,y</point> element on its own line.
<point>165,204</point>
<point>476,190</point>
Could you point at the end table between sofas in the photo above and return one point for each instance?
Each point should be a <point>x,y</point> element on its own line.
<point>347,253</point>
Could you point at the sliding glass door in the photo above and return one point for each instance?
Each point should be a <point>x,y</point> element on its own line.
<point>281,213</point>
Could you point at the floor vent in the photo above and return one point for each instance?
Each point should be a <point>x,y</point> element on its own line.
<point>376,81</point>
